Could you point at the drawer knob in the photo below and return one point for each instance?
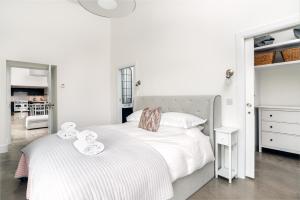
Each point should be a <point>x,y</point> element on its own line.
<point>271,140</point>
<point>271,115</point>
<point>271,126</point>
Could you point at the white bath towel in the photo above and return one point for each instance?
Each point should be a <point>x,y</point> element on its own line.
<point>68,126</point>
<point>87,135</point>
<point>69,134</point>
<point>68,131</point>
<point>89,148</point>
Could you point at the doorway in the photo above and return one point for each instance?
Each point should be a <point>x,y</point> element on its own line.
<point>248,93</point>
<point>126,77</point>
<point>32,98</point>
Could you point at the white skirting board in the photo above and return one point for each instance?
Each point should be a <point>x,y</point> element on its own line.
<point>4,148</point>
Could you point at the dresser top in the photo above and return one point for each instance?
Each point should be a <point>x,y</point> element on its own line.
<point>279,107</point>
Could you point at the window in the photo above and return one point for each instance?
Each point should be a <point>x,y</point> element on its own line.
<point>126,81</point>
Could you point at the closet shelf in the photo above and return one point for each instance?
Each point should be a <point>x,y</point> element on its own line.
<point>278,45</point>
<point>279,107</point>
<point>279,65</point>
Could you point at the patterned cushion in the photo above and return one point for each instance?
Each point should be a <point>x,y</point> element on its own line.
<point>150,119</point>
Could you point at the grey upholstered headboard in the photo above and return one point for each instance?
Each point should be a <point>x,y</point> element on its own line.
<point>205,106</point>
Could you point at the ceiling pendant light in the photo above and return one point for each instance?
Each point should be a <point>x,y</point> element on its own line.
<point>109,8</point>
<point>108,4</point>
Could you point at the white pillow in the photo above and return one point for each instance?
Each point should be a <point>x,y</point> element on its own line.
<point>135,117</point>
<point>181,120</point>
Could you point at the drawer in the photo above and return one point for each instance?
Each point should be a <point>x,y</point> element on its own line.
<point>284,142</point>
<point>280,127</point>
<point>281,116</point>
<point>222,138</point>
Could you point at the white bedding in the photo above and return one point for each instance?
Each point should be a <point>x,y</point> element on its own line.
<point>135,165</point>
<point>184,150</point>
<point>127,169</point>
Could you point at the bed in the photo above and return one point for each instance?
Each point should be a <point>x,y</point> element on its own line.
<point>128,168</point>
<point>205,106</point>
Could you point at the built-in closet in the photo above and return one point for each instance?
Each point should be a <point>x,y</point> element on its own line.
<point>277,91</point>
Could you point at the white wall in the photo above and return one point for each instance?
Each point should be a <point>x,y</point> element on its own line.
<point>22,77</point>
<point>279,86</point>
<point>283,36</point>
<point>184,47</point>
<point>3,109</point>
<point>64,34</point>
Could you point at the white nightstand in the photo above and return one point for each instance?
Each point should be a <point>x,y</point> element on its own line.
<point>226,137</point>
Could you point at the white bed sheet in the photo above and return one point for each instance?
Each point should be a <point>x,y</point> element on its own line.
<point>184,150</point>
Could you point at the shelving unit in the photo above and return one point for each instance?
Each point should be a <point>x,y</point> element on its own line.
<point>224,172</point>
<point>278,65</point>
<point>278,45</point>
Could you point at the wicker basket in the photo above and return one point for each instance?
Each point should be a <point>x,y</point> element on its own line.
<point>291,54</point>
<point>264,58</point>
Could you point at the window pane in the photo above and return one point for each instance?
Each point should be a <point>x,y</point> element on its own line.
<point>126,84</point>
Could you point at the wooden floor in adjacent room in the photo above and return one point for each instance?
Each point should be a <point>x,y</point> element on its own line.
<point>20,134</point>
<point>277,178</point>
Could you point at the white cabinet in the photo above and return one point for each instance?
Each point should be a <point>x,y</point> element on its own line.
<point>279,128</point>
<point>226,138</point>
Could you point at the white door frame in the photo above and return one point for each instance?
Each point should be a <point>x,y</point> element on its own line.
<point>250,109</point>
<point>52,98</point>
<point>10,64</point>
<point>119,89</point>
<point>246,146</point>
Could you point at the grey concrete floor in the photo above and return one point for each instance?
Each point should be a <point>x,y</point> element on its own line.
<point>277,178</point>
<point>10,188</point>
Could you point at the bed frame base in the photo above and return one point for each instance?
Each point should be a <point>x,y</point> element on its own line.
<point>188,185</point>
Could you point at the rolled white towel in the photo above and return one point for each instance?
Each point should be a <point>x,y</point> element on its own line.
<point>69,134</point>
<point>89,148</point>
<point>68,126</point>
<point>87,135</point>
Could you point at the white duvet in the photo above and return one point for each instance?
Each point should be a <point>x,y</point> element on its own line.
<point>184,150</point>
<point>127,169</point>
<point>135,164</point>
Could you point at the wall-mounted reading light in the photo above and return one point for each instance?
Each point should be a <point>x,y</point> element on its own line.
<point>229,73</point>
<point>138,83</point>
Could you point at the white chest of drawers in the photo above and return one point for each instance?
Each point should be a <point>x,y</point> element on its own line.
<point>279,128</point>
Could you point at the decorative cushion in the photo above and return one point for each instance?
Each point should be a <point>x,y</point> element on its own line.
<point>150,119</point>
